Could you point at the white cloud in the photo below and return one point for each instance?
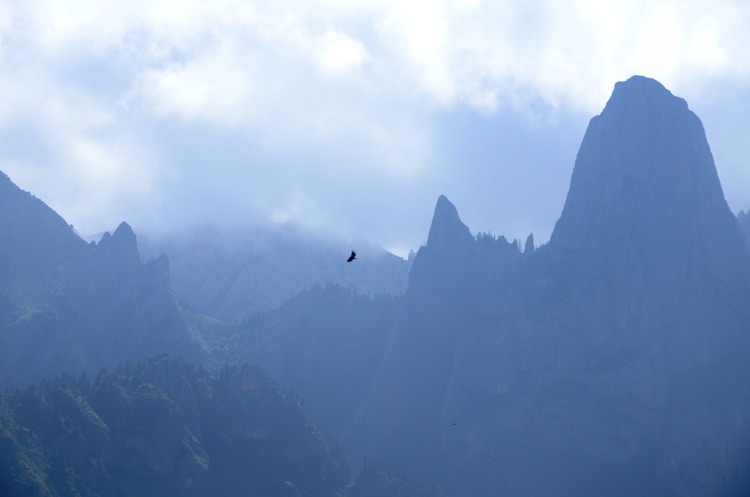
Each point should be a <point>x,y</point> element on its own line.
<point>212,86</point>
<point>349,89</point>
<point>484,54</point>
<point>338,53</point>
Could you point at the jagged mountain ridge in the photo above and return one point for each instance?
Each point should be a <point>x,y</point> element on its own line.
<point>71,306</point>
<point>598,360</point>
<point>595,354</point>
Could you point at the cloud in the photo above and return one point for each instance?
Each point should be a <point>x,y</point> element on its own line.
<point>295,109</point>
<point>481,54</point>
<point>211,86</point>
<point>337,53</point>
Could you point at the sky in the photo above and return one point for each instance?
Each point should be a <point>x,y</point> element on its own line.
<point>349,117</point>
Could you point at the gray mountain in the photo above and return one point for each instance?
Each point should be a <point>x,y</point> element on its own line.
<point>404,419</point>
<point>610,361</point>
<point>233,275</point>
<point>71,306</point>
<point>325,343</point>
<point>744,219</point>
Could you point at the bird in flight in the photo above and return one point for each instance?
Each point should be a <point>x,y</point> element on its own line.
<point>352,257</point>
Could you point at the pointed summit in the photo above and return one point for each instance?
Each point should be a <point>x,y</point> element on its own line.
<point>447,229</point>
<point>645,193</point>
<point>121,248</point>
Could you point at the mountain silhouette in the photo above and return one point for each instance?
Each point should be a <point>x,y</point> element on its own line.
<point>590,359</point>
<point>71,306</point>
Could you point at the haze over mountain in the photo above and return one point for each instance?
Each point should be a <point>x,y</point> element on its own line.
<point>71,306</point>
<point>232,275</point>
<point>610,361</point>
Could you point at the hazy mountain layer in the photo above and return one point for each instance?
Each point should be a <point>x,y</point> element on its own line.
<point>232,276</point>
<point>612,361</point>
<point>70,306</point>
<point>326,344</point>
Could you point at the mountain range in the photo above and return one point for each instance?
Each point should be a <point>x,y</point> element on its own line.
<point>610,360</point>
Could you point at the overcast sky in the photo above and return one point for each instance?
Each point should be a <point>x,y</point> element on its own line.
<point>347,115</point>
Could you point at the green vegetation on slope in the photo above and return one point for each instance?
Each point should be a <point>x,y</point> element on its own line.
<point>163,427</point>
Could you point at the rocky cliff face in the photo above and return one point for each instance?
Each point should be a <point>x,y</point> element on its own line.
<point>591,360</point>
<point>645,198</point>
<point>72,306</point>
<point>403,417</point>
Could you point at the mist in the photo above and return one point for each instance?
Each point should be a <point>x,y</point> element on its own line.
<point>349,119</point>
<point>548,206</point>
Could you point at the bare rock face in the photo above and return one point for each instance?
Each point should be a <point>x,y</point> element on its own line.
<point>647,233</point>
<point>645,196</point>
<point>401,420</point>
<point>610,361</point>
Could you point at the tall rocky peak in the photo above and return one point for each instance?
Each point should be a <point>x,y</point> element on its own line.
<point>450,241</point>
<point>645,193</point>
<point>447,229</point>
<point>120,248</point>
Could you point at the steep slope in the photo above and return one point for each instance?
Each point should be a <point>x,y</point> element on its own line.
<point>403,418</point>
<point>71,306</point>
<point>645,197</point>
<point>610,361</point>
<point>35,243</point>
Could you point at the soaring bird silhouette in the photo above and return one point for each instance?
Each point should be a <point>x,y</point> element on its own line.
<point>352,257</point>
